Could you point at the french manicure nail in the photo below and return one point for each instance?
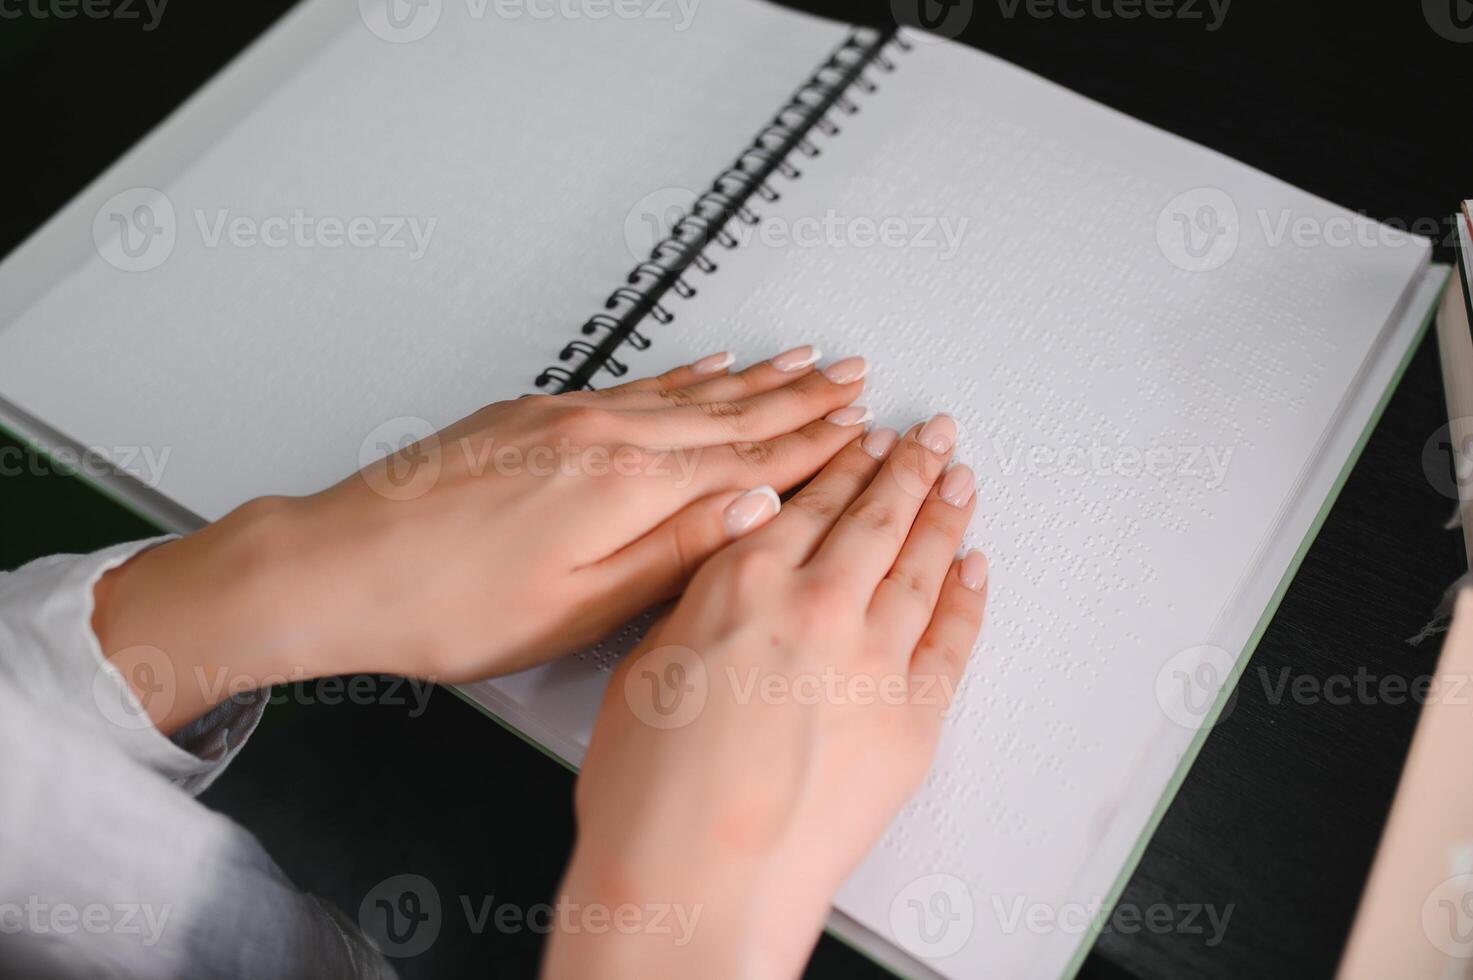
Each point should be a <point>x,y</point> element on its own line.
<point>958,485</point>
<point>713,363</point>
<point>939,434</point>
<point>853,415</point>
<point>750,509</point>
<point>974,571</point>
<point>797,358</point>
<point>879,442</point>
<point>847,371</point>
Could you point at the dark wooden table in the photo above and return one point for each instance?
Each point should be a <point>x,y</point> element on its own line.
<point>1279,818</point>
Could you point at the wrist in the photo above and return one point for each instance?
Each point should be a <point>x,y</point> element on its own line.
<point>759,921</point>
<point>213,615</point>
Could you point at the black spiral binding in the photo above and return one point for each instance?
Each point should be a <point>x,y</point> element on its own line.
<point>730,197</point>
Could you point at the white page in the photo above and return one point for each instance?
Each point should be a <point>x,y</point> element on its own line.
<point>1059,322</point>
<point>528,139</point>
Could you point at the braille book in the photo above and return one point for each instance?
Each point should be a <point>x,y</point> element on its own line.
<point>1163,362</point>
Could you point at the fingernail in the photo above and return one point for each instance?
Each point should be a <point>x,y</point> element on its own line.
<point>853,415</point>
<point>939,434</point>
<point>974,571</point>
<point>751,509</point>
<point>958,485</point>
<point>879,442</point>
<point>797,358</point>
<point>713,363</point>
<point>847,371</point>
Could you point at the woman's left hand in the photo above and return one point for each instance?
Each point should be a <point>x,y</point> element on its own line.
<point>523,532</point>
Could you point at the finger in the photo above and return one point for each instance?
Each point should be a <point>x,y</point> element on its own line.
<point>776,372</point>
<point>649,390</point>
<point>658,565</point>
<point>947,643</point>
<point>719,385</point>
<point>761,417</point>
<point>906,598</point>
<point>784,462</point>
<point>867,538</point>
<point>809,516</point>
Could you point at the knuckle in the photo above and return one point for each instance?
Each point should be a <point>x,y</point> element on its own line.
<point>754,381</point>
<point>723,409</point>
<point>580,421</point>
<point>734,414</point>
<point>817,504</point>
<point>749,565</point>
<point>915,460</point>
<point>876,517</point>
<point>951,654</point>
<point>939,520</point>
<point>970,614</point>
<point>676,397</point>
<point>754,454</point>
<point>543,402</point>
<point>819,597</point>
<point>911,580</point>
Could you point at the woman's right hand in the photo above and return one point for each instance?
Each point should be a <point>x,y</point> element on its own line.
<point>757,743</point>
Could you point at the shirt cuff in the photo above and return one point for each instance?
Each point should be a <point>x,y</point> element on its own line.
<point>52,657</point>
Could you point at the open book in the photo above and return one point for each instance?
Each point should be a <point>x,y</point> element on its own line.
<point>1162,362</point>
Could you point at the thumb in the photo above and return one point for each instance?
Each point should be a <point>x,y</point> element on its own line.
<point>658,565</point>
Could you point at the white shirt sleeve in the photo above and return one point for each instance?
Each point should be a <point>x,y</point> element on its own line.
<point>107,866</point>
<point>52,658</point>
